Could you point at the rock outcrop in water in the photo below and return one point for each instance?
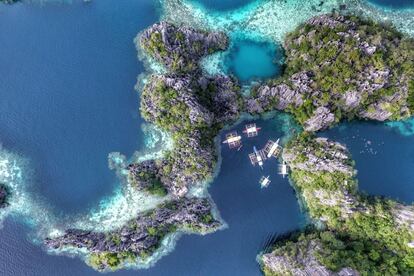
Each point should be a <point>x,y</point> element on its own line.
<point>368,235</point>
<point>181,48</point>
<point>4,194</point>
<point>140,237</point>
<point>342,67</point>
<point>192,108</point>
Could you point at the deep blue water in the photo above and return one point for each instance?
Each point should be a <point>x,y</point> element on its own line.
<point>250,60</point>
<point>384,158</point>
<point>394,3</point>
<point>223,5</point>
<point>254,216</point>
<point>67,80</point>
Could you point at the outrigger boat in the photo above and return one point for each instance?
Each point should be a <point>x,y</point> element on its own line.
<point>233,140</point>
<point>272,148</point>
<point>251,130</point>
<point>257,157</point>
<point>283,169</point>
<point>264,181</point>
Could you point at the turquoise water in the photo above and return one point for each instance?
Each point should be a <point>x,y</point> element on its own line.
<point>249,60</point>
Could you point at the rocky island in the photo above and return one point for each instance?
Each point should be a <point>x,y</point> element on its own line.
<point>140,237</point>
<point>341,67</point>
<point>192,108</point>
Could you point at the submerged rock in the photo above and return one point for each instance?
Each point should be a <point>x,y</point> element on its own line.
<point>4,194</point>
<point>140,237</point>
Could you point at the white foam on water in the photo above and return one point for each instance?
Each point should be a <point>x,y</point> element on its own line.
<point>16,174</point>
<point>126,202</point>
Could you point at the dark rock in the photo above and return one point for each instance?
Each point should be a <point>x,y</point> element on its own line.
<point>4,194</point>
<point>144,233</point>
<point>181,48</point>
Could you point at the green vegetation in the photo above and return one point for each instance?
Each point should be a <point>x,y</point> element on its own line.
<point>184,103</point>
<point>156,188</point>
<point>149,223</point>
<point>155,45</point>
<point>111,260</point>
<point>364,233</point>
<point>171,114</point>
<point>337,250</point>
<point>171,46</point>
